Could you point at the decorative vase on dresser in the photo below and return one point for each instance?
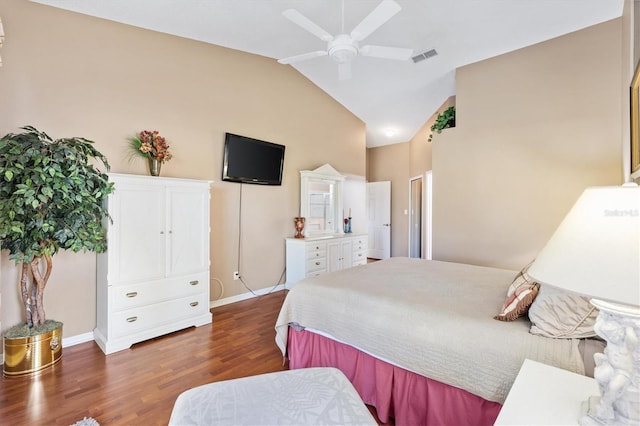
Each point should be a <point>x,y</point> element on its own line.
<point>154,277</point>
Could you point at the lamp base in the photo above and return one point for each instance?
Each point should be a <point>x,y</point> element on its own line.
<point>617,369</point>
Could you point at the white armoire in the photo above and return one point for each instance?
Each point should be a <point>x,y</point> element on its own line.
<point>154,277</point>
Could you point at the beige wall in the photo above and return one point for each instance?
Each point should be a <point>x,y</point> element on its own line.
<point>73,75</point>
<point>389,163</point>
<point>590,122</point>
<point>534,128</point>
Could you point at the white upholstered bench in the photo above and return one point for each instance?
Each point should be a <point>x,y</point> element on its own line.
<point>308,396</point>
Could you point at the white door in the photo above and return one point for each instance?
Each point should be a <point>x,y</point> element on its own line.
<point>379,212</point>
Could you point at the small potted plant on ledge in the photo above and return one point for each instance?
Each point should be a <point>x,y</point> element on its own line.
<point>444,120</point>
<point>150,145</point>
<point>51,198</point>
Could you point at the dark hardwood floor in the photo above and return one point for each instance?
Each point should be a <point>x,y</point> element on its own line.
<point>138,386</point>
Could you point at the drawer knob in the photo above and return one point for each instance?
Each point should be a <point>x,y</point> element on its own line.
<point>193,304</point>
<point>132,294</point>
<point>317,263</point>
<point>194,282</point>
<point>132,319</point>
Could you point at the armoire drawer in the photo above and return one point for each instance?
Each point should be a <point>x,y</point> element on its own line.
<point>147,317</point>
<point>141,294</point>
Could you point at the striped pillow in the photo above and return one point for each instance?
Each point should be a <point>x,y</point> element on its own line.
<point>520,295</point>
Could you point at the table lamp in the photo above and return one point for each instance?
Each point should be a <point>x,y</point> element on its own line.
<point>596,252</point>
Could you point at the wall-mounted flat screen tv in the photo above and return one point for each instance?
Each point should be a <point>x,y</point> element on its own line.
<point>249,160</point>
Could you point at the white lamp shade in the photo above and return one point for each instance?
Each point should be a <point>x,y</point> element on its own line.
<point>596,249</point>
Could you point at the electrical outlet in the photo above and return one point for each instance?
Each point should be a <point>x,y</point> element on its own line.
<point>236,275</point>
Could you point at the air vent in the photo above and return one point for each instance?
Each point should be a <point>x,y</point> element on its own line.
<point>424,55</point>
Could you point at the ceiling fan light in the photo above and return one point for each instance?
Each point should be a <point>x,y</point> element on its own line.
<point>343,54</point>
<point>342,49</point>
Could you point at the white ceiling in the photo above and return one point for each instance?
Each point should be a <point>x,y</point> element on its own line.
<point>385,94</point>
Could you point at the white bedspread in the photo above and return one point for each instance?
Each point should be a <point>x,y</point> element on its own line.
<point>432,318</point>
<point>309,396</point>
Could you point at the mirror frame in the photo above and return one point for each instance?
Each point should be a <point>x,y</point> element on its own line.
<point>635,118</point>
<point>325,174</point>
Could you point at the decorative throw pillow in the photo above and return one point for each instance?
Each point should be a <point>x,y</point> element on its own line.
<point>521,293</point>
<point>562,314</point>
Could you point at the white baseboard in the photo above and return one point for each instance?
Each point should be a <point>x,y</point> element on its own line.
<point>76,340</point>
<point>245,296</point>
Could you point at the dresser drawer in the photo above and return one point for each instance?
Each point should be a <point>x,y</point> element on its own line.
<point>141,294</point>
<point>359,258</point>
<point>316,273</point>
<point>316,264</point>
<point>315,250</point>
<point>359,244</point>
<point>147,317</point>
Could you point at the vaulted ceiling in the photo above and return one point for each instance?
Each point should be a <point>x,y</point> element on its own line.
<point>394,98</point>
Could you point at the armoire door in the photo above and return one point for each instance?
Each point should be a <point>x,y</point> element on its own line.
<point>138,241</point>
<point>188,230</point>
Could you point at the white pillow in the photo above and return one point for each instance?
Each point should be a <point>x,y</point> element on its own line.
<point>562,314</point>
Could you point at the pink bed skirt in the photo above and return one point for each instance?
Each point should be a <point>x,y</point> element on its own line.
<point>409,398</point>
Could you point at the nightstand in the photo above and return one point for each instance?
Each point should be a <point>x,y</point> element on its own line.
<point>546,395</point>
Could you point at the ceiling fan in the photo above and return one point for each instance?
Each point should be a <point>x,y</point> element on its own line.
<point>344,47</point>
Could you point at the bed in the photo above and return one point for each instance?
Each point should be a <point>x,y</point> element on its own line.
<point>417,338</point>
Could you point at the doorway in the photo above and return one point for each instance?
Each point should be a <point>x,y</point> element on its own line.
<point>415,217</point>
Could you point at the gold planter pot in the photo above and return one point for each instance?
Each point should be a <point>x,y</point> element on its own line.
<point>26,355</point>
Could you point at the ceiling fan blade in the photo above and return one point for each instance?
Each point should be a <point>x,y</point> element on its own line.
<point>384,52</point>
<point>344,71</point>
<point>303,57</point>
<point>306,24</point>
<point>378,16</point>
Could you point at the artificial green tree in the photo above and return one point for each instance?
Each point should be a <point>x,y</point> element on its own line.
<point>51,198</point>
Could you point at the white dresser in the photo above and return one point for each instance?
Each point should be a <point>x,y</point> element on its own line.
<point>154,277</point>
<point>307,257</point>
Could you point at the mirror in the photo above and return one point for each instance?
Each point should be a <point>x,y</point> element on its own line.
<point>321,200</point>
